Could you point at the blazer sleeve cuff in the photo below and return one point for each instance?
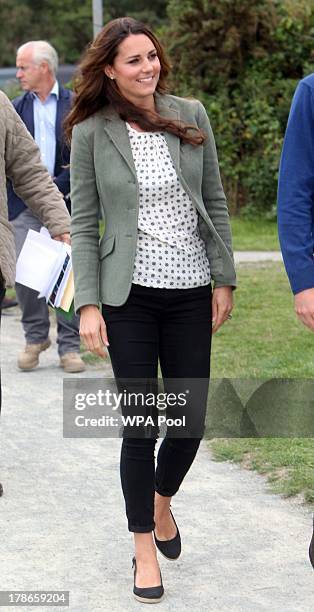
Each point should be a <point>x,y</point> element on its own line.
<point>85,299</point>
<point>302,279</point>
<point>225,283</point>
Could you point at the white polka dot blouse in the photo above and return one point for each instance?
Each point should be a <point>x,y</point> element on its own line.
<point>170,252</point>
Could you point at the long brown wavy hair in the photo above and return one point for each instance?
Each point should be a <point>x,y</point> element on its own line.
<point>93,89</point>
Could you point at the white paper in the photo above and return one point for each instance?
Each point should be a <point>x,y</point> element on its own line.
<point>40,261</point>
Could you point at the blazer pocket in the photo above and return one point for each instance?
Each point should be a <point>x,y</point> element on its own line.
<point>106,246</point>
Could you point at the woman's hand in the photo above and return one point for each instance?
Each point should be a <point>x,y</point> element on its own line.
<point>93,330</point>
<point>222,304</point>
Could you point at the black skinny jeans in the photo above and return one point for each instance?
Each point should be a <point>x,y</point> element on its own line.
<point>173,325</point>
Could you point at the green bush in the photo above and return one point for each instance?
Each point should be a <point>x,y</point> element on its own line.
<point>66,25</point>
<point>243,60</point>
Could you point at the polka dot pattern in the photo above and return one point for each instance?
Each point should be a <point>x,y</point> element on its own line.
<point>170,252</point>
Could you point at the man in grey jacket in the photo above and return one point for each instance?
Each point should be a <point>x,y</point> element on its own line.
<point>20,162</point>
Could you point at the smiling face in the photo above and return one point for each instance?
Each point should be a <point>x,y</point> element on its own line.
<point>136,70</point>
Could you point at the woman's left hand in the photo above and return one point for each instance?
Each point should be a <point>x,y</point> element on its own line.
<point>222,304</point>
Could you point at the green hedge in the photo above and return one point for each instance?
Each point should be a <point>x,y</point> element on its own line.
<point>243,60</point>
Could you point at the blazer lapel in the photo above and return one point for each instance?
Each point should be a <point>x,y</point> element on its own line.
<point>118,134</point>
<point>59,115</point>
<point>28,114</point>
<point>63,102</point>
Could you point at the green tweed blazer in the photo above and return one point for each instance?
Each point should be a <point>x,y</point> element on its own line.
<point>104,183</point>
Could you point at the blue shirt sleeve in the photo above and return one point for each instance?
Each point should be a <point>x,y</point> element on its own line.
<point>296,190</point>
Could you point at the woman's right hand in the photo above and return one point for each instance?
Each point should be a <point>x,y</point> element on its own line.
<point>93,330</point>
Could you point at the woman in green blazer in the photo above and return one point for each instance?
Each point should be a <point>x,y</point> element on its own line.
<point>160,281</point>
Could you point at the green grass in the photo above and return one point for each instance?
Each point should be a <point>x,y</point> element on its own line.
<point>287,464</point>
<point>10,293</point>
<point>265,340</point>
<point>254,234</point>
<point>89,358</point>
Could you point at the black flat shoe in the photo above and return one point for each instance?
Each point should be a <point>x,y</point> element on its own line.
<point>171,549</point>
<point>148,594</point>
<point>311,549</point>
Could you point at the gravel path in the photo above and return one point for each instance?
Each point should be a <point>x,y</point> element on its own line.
<point>62,521</point>
<point>256,256</point>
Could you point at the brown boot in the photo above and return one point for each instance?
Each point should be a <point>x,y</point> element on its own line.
<point>29,358</point>
<point>72,362</point>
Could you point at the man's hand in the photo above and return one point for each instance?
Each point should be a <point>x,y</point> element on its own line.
<point>304,307</point>
<point>222,304</point>
<point>63,238</point>
<point>93,330</point>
